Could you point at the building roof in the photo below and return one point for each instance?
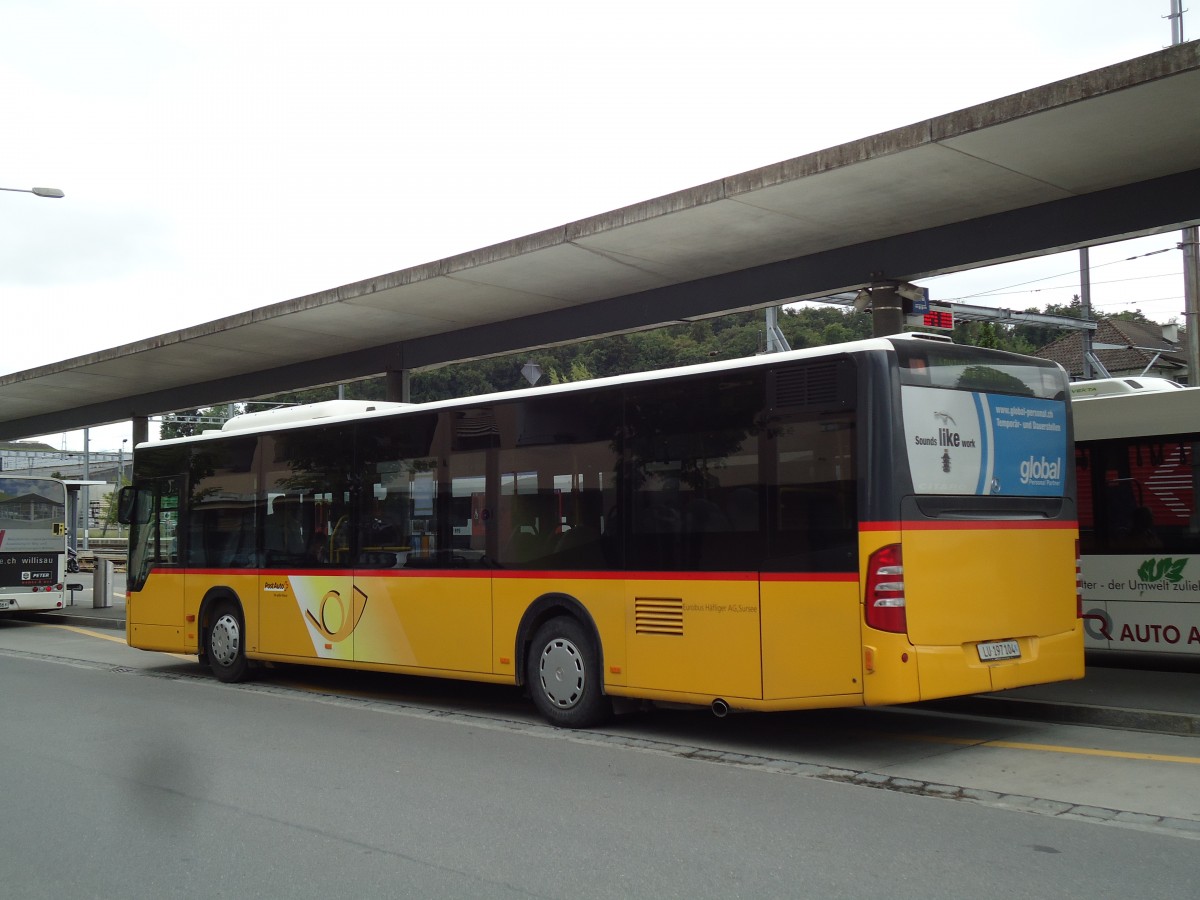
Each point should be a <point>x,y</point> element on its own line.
<point>1142,349</point>
<point>26,447</point>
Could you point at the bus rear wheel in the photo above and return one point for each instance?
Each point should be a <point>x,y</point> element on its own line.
<point>564,675</point>
<point>225,644</point>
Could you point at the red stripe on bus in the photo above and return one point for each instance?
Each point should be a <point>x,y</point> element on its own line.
<point>541,574</point>
<point>808,576</point>
<point>989,525</point>
<point>969,524</point>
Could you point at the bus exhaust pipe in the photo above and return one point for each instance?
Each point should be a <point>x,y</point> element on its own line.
<point>720,708</point>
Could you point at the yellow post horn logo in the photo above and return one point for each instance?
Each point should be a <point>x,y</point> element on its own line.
<point>332,620</point>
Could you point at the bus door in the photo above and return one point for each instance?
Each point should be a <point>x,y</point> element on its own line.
<point>693,619</point>
<point>810,605</point>
<point>308,604</point>
<point>154,609</point>
<point>423,577</point>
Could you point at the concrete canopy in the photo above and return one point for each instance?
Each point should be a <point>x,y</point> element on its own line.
<point>1100,156</point>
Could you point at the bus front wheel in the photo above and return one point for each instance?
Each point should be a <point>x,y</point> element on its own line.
<point>225,643</point>
<point>564,675</point>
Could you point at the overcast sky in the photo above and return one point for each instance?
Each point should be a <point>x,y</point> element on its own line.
<point>223,155</point>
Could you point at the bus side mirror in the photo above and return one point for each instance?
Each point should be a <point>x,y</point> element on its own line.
<point>126,504</point>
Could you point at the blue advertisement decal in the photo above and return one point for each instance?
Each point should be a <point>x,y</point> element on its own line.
<point>1031,445</point>
<point>967,442</point>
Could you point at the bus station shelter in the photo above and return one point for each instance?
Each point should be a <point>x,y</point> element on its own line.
<point>1097,157</point>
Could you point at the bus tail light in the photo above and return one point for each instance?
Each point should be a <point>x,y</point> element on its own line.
<point>885,608</point>
<point>1078,582</point>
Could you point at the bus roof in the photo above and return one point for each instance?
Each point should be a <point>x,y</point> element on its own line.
<point>1161,410</point>
<point>335,411</point>
<point>1103,387</point>
<point>307,412</point>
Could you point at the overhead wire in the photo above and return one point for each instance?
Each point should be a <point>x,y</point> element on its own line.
<point>1007,288</point>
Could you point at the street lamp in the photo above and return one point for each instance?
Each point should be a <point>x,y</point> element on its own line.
<point>121,463</point>
<point>41,192</point>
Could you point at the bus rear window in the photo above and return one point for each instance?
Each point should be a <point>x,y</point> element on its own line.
<point>975,369</point>
<point>984,444</point>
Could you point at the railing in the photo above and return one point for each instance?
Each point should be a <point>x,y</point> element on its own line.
<point>113,549</point>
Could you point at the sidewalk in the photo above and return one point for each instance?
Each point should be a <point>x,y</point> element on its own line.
<point>1167,702</point>
<point>1109,695</point>
<point>84,613</point>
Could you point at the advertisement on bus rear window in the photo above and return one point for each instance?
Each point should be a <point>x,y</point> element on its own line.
<point>32,516</point>
<point>969,442</point>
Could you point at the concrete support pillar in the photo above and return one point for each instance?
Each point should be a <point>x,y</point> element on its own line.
<point>398,389</point>
<point>887,310</point>
<point>1191,301</point>
<point>141,429</point>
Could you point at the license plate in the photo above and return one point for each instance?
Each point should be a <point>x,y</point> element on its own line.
<point>4,604</point>
<point>994,650</point>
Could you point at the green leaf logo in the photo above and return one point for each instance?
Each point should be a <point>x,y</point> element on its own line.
<point>1174,571</point>
<point>1146,571</point>
<point>1152,571</point>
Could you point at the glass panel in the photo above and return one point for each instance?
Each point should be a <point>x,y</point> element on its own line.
<point>399,492</point>
<point>307,486</point>
<point>154,535</point>
<point>33,521</point>
<point>1138,496</point>
<point>221,513</point>
<point>975,369</point>
<point>972,443</point>
<point>557,482</point>
<point>463,529</point>
<point>814,521</point>
<point>693,454</point>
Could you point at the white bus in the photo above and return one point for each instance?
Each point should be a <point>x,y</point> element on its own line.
<point>1135,450</point>
<point>33,543</point>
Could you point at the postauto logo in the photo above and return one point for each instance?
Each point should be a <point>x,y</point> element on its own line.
<point>1041,471</point>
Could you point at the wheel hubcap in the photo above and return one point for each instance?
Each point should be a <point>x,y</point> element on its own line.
<point>226,640</point>
<point>562,673</point>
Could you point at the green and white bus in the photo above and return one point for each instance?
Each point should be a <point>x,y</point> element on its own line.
<point>1135,454</point>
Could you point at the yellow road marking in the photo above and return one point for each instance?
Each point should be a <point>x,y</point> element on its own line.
<point>1057,748</point>
<point>116,640</point>
<point>90,633</point>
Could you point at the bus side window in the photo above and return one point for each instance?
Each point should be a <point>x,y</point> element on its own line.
<point>306,471</point>
<point>1137,496</point>
<point>221,527</point>
<point>814,518</point>
<point>690,477</point>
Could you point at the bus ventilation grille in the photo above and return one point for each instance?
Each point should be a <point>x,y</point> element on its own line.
<point>658,615</point>
<point>807,386</point>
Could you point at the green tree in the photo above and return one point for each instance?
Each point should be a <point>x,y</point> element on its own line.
<point>734,336</point>
<point>187,422</point>
<point>987,336</point>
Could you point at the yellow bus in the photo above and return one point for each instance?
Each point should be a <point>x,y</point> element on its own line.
<point>878,522</point>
